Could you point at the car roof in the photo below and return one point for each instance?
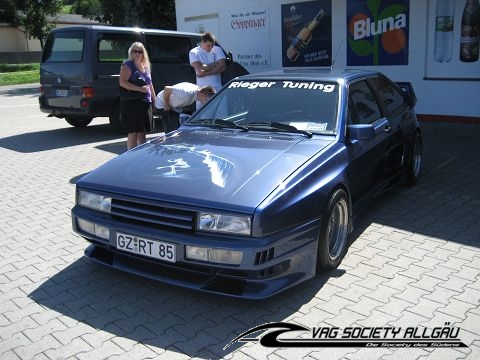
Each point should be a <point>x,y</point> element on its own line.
<point>127,29</point>
<point>311,74</point>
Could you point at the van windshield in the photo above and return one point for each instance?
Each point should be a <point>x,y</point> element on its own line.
<point>66,46</point>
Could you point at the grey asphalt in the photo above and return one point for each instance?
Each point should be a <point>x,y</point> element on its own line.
<point>415,261</point>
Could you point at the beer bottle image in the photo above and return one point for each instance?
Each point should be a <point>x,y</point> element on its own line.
<point>303,37</point>
<point>470,32</point>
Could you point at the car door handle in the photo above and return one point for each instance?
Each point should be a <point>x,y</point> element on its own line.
<point>388,129</point>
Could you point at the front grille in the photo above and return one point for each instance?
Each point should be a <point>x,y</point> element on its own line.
<point>153,215</point>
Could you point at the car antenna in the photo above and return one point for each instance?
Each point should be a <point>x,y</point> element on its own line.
<point>336,54</point>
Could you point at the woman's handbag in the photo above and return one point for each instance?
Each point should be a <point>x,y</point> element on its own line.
<point>126,94</point>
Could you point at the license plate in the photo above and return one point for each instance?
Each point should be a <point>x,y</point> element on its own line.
<point>60,92</point>
<point>146,247</point>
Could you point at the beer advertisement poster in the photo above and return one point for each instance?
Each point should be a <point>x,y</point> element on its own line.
<point>307,33</point>
<point>453,46</point>
<point>377,32</point>
<point>251,23</point>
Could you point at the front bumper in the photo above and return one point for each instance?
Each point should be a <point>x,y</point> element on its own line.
<point>270,265</point>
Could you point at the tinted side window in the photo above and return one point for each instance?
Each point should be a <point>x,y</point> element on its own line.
<point>168,49</point>
<point>114,47</point>
<point>66,46</point>
<point>363,107</point>
<point>391,98</point>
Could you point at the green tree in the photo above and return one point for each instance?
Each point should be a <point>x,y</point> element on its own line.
<point>8,12</point>
<point>141,13</point>
<point>35,16</point>
<point>90,9</point>
<point>158,14</point>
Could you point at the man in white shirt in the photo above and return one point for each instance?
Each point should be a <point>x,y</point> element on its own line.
<point>181,95</point>
<point>208,60</point>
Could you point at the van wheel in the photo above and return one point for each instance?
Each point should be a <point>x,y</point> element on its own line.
<point>78,121</point>
<point>115,120</point>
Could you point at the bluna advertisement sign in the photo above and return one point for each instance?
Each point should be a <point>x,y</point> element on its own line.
<point>377,32</point>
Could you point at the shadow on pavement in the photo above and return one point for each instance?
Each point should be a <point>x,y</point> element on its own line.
<point>58,138</point>
<point>127,306</point>
<point>445,204</point>
<point>20,90</point>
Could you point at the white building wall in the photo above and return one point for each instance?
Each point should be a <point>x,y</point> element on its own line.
<point>12,39</point>
<point>435,97</point>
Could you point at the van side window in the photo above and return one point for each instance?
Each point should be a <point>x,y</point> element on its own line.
<point>114,47</point>
<point>168,49</point>
<point>65,46</point>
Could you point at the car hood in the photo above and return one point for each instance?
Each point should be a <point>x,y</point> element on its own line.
<point>223,169</point>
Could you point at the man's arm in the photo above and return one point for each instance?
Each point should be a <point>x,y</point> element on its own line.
<point>216,67</point>
<point>197,65</point>
<point>167,91</point>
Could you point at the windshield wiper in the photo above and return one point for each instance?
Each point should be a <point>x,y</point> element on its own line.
<point>219,123</point>
<point>278,126</point>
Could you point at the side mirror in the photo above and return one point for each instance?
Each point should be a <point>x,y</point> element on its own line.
<point>360,132</point>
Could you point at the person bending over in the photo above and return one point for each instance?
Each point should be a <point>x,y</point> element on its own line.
<point>181,95</point>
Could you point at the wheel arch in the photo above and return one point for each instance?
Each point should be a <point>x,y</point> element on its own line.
<point>344,187</point>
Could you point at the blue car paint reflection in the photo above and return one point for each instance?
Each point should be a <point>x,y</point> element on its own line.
<point>219,167</point>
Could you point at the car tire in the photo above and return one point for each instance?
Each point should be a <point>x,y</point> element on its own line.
<point>414,162</point>
<point>78,121</point>
<point>334,233</point>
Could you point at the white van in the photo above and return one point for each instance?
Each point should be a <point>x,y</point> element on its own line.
<point>80,67</point>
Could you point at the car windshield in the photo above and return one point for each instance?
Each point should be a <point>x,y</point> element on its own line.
<point>308,107</point>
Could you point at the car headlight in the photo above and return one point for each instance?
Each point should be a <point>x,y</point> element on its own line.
<point>225,223</point>
<point>94,201</point>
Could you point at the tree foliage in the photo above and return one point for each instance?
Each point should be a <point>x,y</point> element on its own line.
<point>90,9</point>
<point>32,17</point>
<point>8,12</point>
<point>141,13</point>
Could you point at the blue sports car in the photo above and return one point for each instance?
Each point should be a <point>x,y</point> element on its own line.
<point>258,190</point>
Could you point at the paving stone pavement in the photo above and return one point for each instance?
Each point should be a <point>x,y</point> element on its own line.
<point>415,261</point>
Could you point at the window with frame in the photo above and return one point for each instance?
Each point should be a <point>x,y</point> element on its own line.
<point>363,107</point>
<point>114,47</point>
<point>169,49</point>
<point>392,100</point>
<point>64,47</point>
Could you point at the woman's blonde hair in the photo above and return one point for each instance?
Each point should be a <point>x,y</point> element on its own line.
<point>145,57</point>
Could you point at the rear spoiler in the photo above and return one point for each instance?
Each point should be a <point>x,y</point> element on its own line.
<point>408,92</point>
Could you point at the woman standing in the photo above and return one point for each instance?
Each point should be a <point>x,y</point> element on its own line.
<point>136,114</point>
